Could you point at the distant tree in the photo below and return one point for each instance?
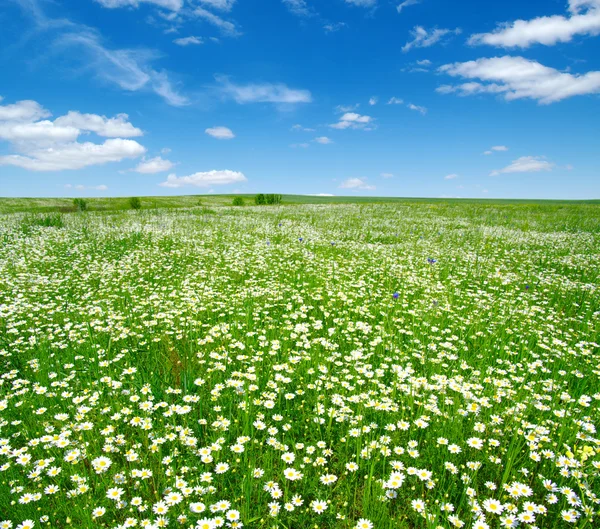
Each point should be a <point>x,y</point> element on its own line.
<point>238,201</point>
<point>80,204</point>
<point>135,203</point>
<point>273,199</point>
<point>260,199</point>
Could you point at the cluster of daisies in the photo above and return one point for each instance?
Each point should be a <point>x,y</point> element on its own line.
<point>351,367</point>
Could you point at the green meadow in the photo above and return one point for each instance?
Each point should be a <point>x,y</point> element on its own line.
<point>328,363</point>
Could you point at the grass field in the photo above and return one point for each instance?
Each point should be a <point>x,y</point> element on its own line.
<point>379,364</point>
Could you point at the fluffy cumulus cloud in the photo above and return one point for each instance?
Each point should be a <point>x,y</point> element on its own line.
<point>423,38</point>
<point>205,179</point>
<point>45,145</point>
<point>220,133</point>
<point>356,184</point>
<point>118,126</point>
<point>519,78</point>
<point>262,92</point>
<point>583,19</point>
<point>526,164</point>
<point>154,165</point>
<point>75,155</point>
<point>352,120</point>
<point>323,140</point>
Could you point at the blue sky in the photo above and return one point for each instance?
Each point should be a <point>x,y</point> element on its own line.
<point>426,98</point>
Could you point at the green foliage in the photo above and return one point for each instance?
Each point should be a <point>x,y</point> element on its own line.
<point>269,199</point>
<point>50,220</point>
<point>237,201</point>
<point>80,204</point>
<point>135,203</point>
<point>190,359</point>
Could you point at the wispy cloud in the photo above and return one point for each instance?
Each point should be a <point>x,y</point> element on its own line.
<point>417,108</point>
<point>423,38</point>
<point>227,28</point>
<point>129,69</point>
<point>323,140</point>
<point>395,101</point>
<point>187,41</point>
<point>262,92</point>
<point>356,183</point>
<point>300,8</point>
<point>526,164</point>
<point>497,148</point>
<point>407,3</point>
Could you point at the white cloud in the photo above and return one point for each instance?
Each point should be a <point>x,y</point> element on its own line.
<point>387,175</point>
<point>220,133</point>
<point>584,19</point>
<point>128,69</point>
<point>407,3</point>
<point>263,92</point>
<point>44,145</point>
<point>75,155</point>
<point>299,8</point>
<point>154,165</point>
<point>320,195</point>
<point>356,183</point>
<point>362,3</point>
<point>346,108</point>
<point>352,120</point>
<point>40,132</point>
<point>118,126</point>
<point>424,62</point>
<point>223,5</point>
<point>395,101</point>
<point>205,179</point>
<point>417,108</point>
<point>450,176</point>
<point>373,101</point>
<point>187,41</point>
<point>519,78</point>
<point>227,28</point>
<point>424,38</point>
<point>323,140</point>
<point>101,187</point>
<point>301,128</point>
<point>332,27</point>
<point>497,148</point>
<point>174,5</point>
<point>23,111</point>
<point>526,164</point>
